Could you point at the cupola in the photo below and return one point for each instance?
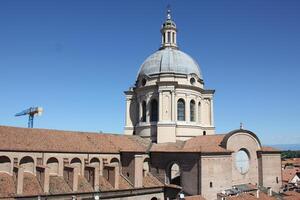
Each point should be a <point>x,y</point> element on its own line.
<point>168,31</point>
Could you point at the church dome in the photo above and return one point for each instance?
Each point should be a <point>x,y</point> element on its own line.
<point>169,60</point>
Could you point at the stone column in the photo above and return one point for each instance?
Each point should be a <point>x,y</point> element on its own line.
<point>204,112</point>
<point>20,179</point>
<point>101,167</point>
<point>196,110</point>
<point>140,111</point>
<point>128,121</point>
<point>75,179</point>
<point>116,176</point>
<point>82,166</point>
<point>148,109</point>
<point>166,37</point>
<point>96,181</point>
<point>46,184</point>
<point>173,106</point>
<point>60,167</point>
<point>160,104</point>
<point>199,112</point>
<point>138,171</point>
<point>187,109</point>
<point>211,112</point>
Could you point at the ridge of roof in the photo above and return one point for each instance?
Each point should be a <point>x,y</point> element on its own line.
<point>58,130</point>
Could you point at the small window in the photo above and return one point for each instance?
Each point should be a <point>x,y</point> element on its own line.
<point>169,37</point>
<point>199,112</point>
<point>127,174</point>
<point>210,184</point>
<point>180,110</point>
<point>192,81</point>
<point>173,37</point>
<point>144,111</point>
<point>154,111</point>
<point>144,81</point>
<point>277,180</point>
<point>204,132</point>
<point>192,111</point>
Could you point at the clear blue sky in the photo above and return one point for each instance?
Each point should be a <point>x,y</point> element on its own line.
<point>75,59</point>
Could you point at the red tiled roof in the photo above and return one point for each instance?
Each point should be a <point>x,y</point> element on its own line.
<point>150,181</point>
<point>291,195</point>
<point>206,144</point>
<point>84,185</point>
<point>251,196</point>
<point>288,174</point>
<point>45,140</point>
<point>104,184</point>
<point>31,185</point>
<point>269,149</point>
<point>292,161</point>
<point>124,184</point>
<point>58,185</point>
<point>7,187</point>
<point>197,197</point>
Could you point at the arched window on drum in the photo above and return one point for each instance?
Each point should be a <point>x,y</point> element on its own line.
<point>192,111</point>
<point>154,111</point>
<point>180,110</point>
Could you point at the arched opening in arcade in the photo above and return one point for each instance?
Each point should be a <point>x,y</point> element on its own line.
<point>174,174</point>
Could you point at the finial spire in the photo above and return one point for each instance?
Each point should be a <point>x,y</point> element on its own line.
<point>169,12</point>
<point>241,125</point>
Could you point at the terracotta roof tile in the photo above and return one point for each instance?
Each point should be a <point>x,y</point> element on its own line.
<point>251,196</point>
<point>206,144</point>
<point>104,184</point>
<point>7,188</point>
<point>25,139</point>
<point>292,161</point>
<point>291,195</point>
<point>151,181</point>
<point>31,185</point>
<point>168,147</point>
<point>123,184</point>
<point>197,197</point>
<point>58,185</point>
<point>288,174</point>
<point>269,149</point>
<point>84,185</point>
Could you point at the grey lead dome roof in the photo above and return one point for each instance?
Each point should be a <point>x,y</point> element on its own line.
<point>169,60</point>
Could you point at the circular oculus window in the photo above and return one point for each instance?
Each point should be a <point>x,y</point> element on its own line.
<point>242,161</point>
<point>144,81</point>
<point>192,81</point>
